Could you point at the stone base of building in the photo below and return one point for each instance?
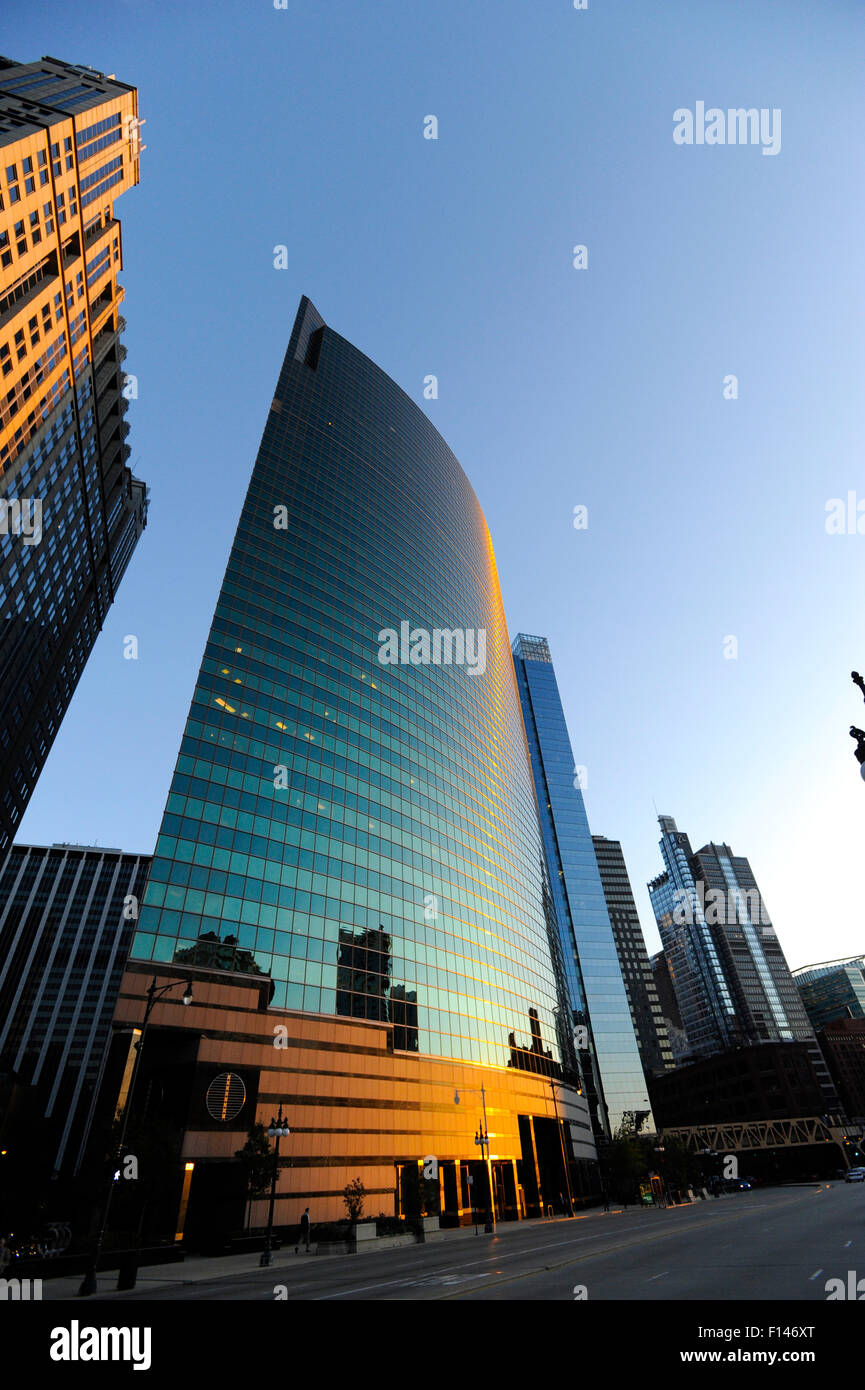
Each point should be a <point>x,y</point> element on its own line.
<point>356,1108</point>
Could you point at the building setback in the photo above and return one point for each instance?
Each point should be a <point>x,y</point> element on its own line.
<point>71,511</point>
<point>646,1012</point>
<point>598,1001</point>
<point>67,913</point>
<point>350,864</point>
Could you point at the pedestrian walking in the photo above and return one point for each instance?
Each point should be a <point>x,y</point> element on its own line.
<point>304,1232</point>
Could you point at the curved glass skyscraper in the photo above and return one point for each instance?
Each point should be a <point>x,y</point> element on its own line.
<point>352,819</point>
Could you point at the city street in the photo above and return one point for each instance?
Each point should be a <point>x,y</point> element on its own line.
<point>782,1243</point>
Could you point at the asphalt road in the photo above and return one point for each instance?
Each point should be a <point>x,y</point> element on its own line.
<point>771,1244</point>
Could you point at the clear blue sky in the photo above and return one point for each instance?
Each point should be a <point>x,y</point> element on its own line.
<point>557,387</point>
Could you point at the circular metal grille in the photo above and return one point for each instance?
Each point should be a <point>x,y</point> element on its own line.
<point>225,1096</point>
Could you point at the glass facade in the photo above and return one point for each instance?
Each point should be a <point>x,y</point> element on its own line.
<point>362,830</point>
<point>598,1001</point>
<point>832,991</point>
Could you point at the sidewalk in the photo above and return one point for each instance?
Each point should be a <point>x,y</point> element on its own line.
<point>200,1269</point>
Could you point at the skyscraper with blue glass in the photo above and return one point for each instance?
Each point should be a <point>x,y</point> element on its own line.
<point>598,1001</point>
<point>702,989</point>
<point>729,972</point>
<point>351,833</point>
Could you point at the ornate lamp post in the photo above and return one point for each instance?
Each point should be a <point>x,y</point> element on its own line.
<point>859,734</point>
<point>277,1129</point>
<point>482,1139</point>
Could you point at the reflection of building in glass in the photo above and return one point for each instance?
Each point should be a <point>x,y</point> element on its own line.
<point>533,1057</point>
<point>679,1044</point>
<point>363,974</point>
<point>403,1013</point>
<point>365,833</point>
<point>218,953</point>
<point>68,149</point>
<point>609,1056</point>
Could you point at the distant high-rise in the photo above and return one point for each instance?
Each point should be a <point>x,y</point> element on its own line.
<point>832,991</point>
<point>71,511</point>
<point>599,1003</point>
<point>646,1012</point>
<point>731,979</point>
<point>702,991</point>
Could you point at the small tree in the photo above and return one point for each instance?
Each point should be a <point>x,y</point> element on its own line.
<point>258,1160</point>
<point>354,1194</point>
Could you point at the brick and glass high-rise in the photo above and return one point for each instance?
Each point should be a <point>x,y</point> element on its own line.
<point>71,511</point>
<point>350,863</point>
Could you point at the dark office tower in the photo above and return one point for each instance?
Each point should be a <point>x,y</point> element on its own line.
<point>598,1001</point>
<point>67,915</point>
<point>767,999</point>
<point>70,510</point>
<point>646,1013</point>
<point>351,839</point>
<point>716,913</point>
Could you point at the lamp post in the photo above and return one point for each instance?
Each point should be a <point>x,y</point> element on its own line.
<point>88,1283</point>
<point>482,1138</point>
<point>562,1142</point>
<point>277,1129</point>
<point>859,734</point>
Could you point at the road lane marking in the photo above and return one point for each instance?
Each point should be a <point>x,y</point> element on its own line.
<point>816,1273</point>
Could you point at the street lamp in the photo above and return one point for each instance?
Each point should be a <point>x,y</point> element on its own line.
<point>858,734</point>
<point>88,1283</point>
<point>562,1143</point>
<point>277,1129</point>
<point>482,1138</point>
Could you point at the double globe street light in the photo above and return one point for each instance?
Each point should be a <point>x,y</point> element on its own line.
<point>482,1139</point>
<point>277,1129</point>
